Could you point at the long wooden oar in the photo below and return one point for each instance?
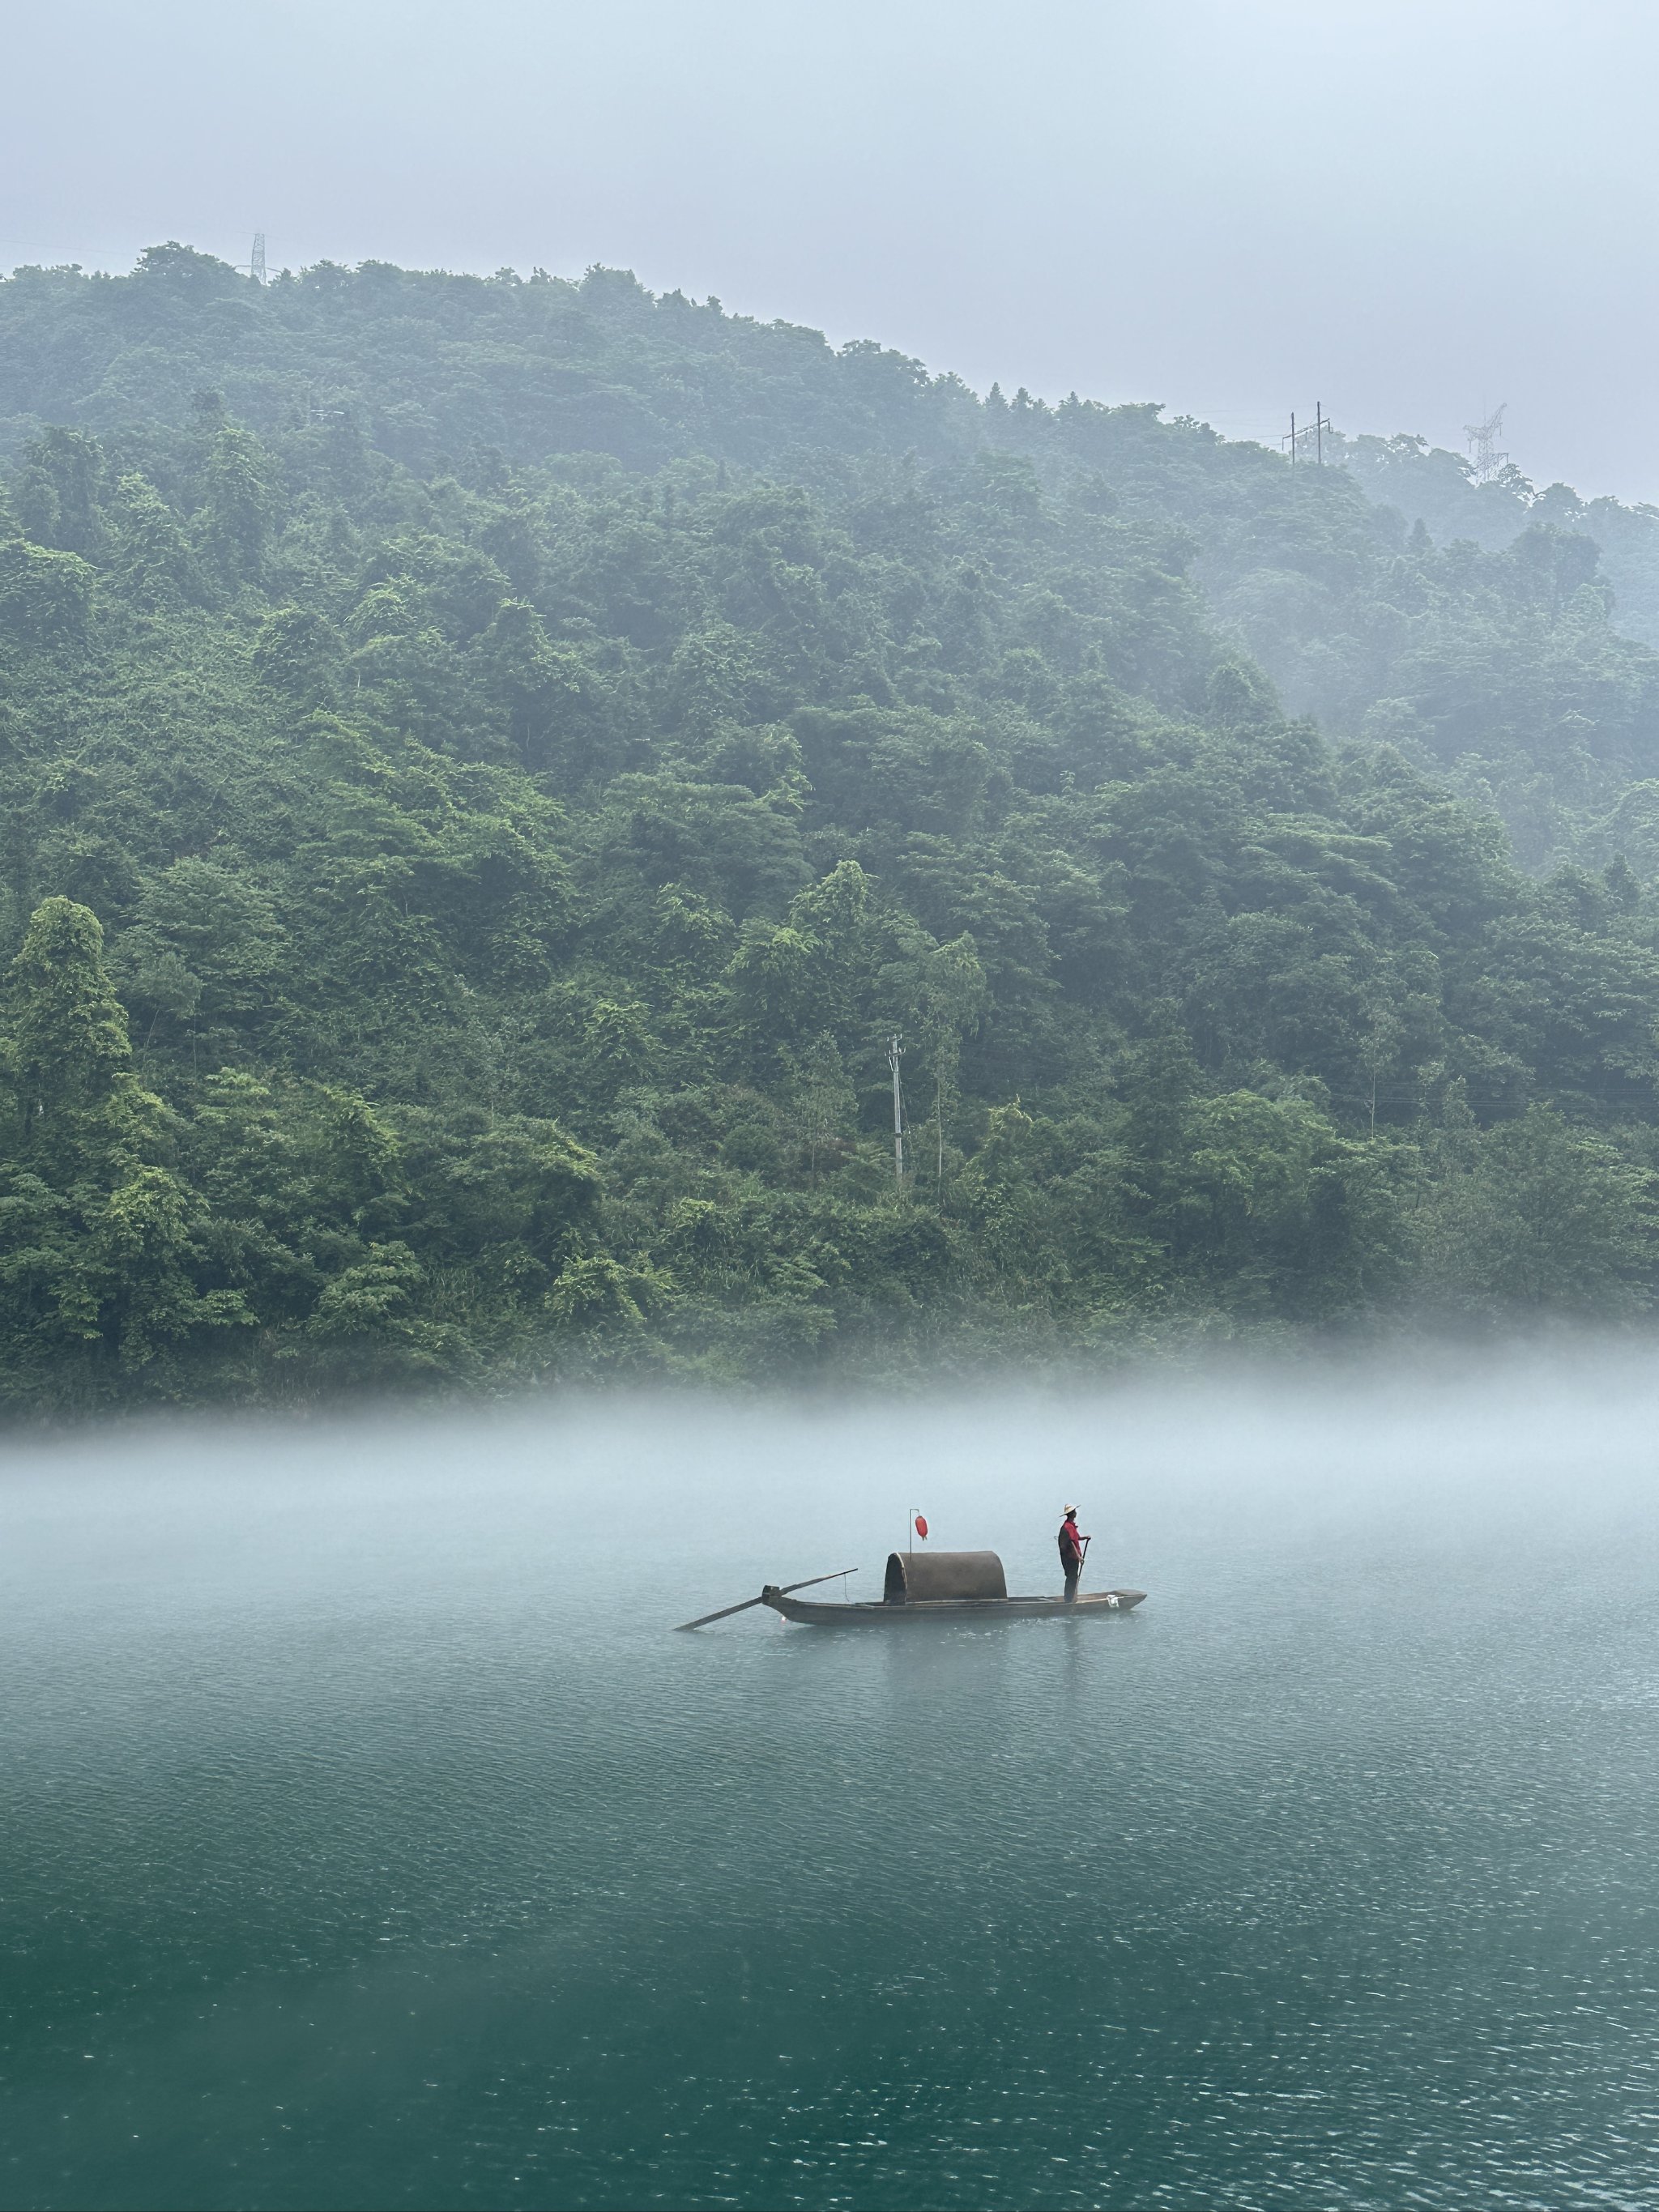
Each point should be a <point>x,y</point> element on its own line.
<point>726,1611</point>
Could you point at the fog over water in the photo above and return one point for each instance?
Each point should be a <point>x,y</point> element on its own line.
<point>368,1838</point>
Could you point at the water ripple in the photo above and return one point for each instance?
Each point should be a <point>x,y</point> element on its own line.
<point>421,1864</point>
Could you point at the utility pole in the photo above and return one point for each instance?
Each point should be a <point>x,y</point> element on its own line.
<point>1315,430</point>
<point>894,1053</point>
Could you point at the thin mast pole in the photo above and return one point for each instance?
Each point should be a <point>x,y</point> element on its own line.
<point>894,1053</point>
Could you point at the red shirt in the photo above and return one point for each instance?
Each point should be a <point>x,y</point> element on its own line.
<point>1069,1537</point>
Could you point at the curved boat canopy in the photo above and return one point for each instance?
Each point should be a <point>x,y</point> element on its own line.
<point>921,1575</point>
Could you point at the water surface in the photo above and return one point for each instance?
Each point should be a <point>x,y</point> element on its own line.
<point>368,1840</point>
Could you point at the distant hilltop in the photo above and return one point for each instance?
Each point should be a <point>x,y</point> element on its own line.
<point>602,365</point>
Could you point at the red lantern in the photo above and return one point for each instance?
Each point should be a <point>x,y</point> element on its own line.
<point>921,1526</point>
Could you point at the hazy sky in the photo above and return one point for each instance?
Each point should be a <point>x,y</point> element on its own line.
<point>1406,210</point>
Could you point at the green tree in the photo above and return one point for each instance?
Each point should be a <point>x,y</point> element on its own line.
<point>78,1107</point>
<point>238,504</point>
<point>297,652</point>
<point>1533,1216</point>
<point>46,597</point>
<point>150,555</point>
<point>58,495</point>
<point>100,1264</point>
<point>953,994</point>
<point>204,942</point>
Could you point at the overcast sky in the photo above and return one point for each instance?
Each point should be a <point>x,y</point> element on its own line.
<point>1407,211</point>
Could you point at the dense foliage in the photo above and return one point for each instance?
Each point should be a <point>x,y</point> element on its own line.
<point>488,765</point>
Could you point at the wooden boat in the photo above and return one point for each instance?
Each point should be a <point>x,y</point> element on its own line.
<point>930,1586</point>
<point>946,1586</point>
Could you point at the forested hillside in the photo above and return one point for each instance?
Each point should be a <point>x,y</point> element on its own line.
<point>488,764</point>
<point>1425,483</point>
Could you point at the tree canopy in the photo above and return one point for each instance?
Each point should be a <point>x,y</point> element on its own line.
<point>488,765</point>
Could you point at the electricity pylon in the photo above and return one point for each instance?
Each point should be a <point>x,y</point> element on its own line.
<point>1482,438</point>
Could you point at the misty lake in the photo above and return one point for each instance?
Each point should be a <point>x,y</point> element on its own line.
<point>370,1840</point>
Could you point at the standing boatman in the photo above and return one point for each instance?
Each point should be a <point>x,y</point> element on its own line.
<point>1071,1552</point>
